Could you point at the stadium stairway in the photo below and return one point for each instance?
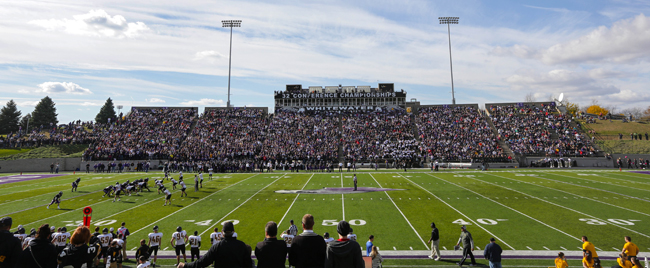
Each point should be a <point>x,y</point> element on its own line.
<point>341,156</point>
<point>506,149</point>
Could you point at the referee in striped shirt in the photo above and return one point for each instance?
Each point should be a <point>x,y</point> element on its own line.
<point>293,229</point>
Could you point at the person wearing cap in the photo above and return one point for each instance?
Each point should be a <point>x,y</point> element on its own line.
<point>468,246</point>
<point>631,251</point>
<point>308,249</point>
<point>588,246</point>
<point>39,253</point>
<point>344,252</point>
<point>560,261</point>
<point>435,242</point>
<point>229,252</point>
<point>271,252</point>
<point>492,253</point>
<point>10,248</point>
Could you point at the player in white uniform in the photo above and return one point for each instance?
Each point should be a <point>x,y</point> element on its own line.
<point>327,238</point>
<point>216,236</point>
<point>180,175</point>
<point>210,171</point>
<point>21,234</point>
<point>168,197</point>
<point>104,240</point>
<point>155,239</point>
<point>118,191</point>
<point>32,235</point>
<point>183,187</point>
<point>120,246</point>
<point>288,238</point>
<point>201,179</point>
<point>352,236</point>
<point>143,263</point>
<point>60,240</point>
<point>195,245</point>
<point>179,238</point>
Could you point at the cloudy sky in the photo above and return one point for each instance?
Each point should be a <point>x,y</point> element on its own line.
<point>175,53</point>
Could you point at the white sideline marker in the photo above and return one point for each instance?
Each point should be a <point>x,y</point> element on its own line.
<point>166,248</point>
<point>394,248</point>
<point>444,247</point>
<point>616,249</point>
<point>529,248</point>
<point>563,248</point>
<point>546,248</point>
<point>411,248</point>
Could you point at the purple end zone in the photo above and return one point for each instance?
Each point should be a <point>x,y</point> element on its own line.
<point>642,172</point>
<point>18,178</point>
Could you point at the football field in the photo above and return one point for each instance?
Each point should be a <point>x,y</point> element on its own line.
<point>525,210</point>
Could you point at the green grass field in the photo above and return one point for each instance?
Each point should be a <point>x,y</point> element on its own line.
<point>543,209</point>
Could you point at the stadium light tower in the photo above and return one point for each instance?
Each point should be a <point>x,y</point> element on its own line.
<point>450,20</point>
<point>231,24</point>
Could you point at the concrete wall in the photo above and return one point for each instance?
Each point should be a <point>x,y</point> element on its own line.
<point>39,165</point>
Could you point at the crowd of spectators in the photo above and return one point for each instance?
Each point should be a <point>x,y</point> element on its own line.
<point>369,136</point>
<point>540,130</point>
<point>300,136</point>
<point>144,134</point>
<point>457,134</point>
<point>72,133</point>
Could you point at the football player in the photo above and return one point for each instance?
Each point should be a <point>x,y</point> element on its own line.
<point>118,191</point>
<point>20,234</point>
<point>195,245</point>
<point>180,175</point>
<point>120,245</point>
<point>200,179</point>
<point>327,238</point>
<point>155,239</point>
<point>108,190</point>
<point>57,200</point>
<point>174,182</point>
<point>168,197</point>
<point>32,235</point>
<point>210,170</point>
<point>352,236</point>
<point>179,238</point>
<point>161,187</point>
<point>60,239</point>
<point>216,236</point>
<point>104,240</point>
<point>74,186</point>
<point>288,238</point>
<point>183,187</point>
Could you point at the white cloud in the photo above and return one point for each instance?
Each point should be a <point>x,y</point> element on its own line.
<point>27,103</point>
<point>63,87</point>
<point>204,102</point>
<point>210,55</point>
<point>87,103</point>
<point>155,100</point>
<point>576,84</point>
<point>94,23</point>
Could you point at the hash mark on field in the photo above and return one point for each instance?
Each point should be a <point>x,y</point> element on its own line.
<point>598,249</point>
<point>563,248</point>
<point>394,248</point>
<point>166,248</point>
<point>616,249</point>
<point>411,248</point>
<point>546,248</point>
<point>579,248</point>
<point>529,248</point>
<point>134,248</point>
<point>444,247</point>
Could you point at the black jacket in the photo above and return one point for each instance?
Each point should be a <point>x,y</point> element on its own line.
<point>492,252</point>
<point>77,256</point>
<point>344,254</point>
<point>308,250</point>
<point>271,253</point>
<point>434,234</point>
<point>229,252</point>
<point>10,249</point>
<point>43,251</point>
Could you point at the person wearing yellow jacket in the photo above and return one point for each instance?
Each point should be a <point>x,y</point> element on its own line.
<point>560,261</point>
<point>623,262</point>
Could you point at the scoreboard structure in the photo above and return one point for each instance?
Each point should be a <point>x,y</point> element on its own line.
<point>339,98</point>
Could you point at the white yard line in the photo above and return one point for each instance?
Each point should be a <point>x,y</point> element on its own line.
<point>468,218</point>
<point>519,212</point>
<point>342,198</point>
<point>581,196</point>
<point>219,221</point>
<point>400,211</point>
<point>64,213</point>
<point>294,200</point>
<point>616,185</point>
<point>192,204</point>
<point>614,224</point>
<point>623,180</point>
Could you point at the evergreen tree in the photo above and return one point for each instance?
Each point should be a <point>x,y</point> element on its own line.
<point>44,114</point>
<point>9,118</point>
<point>107,111</point>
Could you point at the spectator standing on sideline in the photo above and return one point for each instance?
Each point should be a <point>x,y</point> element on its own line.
<point>293,229</point>
<point>229,252</point>
<point>588,246</point>
<point>10,247</point>
<point>124,233</point>
<point>492,253</point>
<point>560,261</point>
<point>376,257</point>
<point>355,182</point>
<point>468,245</point>
<point>343,252</point>
<point>369,244</point>
<point>435,242</point>
<point>40,253</point>
<point>196,183</point>
<point>308,249</point>
<point>143,250</point>
<point>271,252</point>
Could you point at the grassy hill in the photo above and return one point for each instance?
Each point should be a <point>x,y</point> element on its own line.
<point>609,132</point>
<point>56,151</point>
